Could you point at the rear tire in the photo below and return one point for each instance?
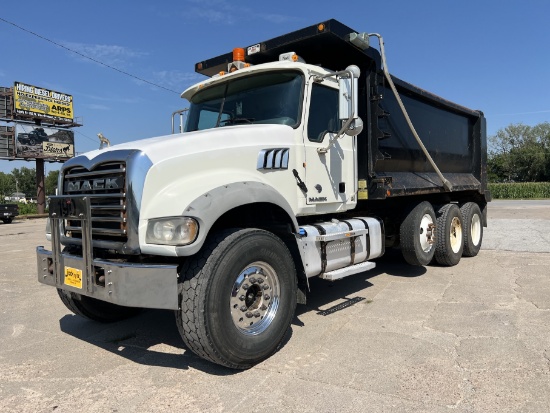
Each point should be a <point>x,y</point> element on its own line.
<point>473,229</point>
<point>417,234</point>
<point>237,298</point>
<point>95,310</point>
<point>449,238</point>
<point>7,220</point>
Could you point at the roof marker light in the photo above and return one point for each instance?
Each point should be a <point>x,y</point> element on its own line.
<point>290,57</point>
<point>238,54</point>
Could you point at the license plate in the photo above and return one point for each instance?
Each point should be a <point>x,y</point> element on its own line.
<point>73,277</point>
<point>6,213</point>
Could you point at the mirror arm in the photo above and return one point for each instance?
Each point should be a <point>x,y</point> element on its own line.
<point>347,73</point>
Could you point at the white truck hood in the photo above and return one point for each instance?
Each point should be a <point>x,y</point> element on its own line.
<point>165,147</point>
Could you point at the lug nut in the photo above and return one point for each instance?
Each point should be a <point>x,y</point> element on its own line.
<point>244,308</point>
<point>249,315</point>
<point>241,298</point>
<point>246,286</point>
<point>256,314</point>
<point>260,280</point>
<point>263,307</point>
<point>267,296</point>
<point>252,280</point>
<point>266,287</point>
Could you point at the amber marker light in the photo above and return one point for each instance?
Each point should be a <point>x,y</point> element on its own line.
<point>321,27</point>
<point>238,54</point>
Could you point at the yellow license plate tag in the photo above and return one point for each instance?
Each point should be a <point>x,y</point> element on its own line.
<point>73,277</point>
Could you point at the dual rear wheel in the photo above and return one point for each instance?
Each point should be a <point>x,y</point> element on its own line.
<point>443,235</point>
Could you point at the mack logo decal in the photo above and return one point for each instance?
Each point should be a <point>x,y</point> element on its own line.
<point>318,199</point>
<point>94,184</point>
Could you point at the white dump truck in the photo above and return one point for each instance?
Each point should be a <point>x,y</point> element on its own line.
<point>301,157</point>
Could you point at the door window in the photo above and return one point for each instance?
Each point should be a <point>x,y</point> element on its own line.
<point>323,112</point>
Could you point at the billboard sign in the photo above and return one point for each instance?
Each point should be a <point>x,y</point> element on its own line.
<point>38,102</point>
<point>33,141</point>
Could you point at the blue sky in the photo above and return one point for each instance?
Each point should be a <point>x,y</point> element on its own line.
<point>487,55</point>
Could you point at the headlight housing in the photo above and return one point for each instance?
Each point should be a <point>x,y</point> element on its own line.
<point>172,231</point>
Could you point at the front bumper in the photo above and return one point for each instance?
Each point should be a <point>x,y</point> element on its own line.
<point>118,282</point>
<point>127,284</point>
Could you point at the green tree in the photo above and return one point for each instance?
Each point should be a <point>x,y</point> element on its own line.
<point>26,180</point>
<point>51,182</point>
<point>7,185</point>
<point>520,153</point>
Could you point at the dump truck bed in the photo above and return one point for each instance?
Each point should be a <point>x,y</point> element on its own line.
<point>389,157</point>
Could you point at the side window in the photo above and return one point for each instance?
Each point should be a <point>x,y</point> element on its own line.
<point>323,112</point>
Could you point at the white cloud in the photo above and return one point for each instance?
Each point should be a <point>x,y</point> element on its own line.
<point>95,106</point>
<point>110,54</point>
<point>219,11</point>
<point>111,99</point>
<point>174,79</point>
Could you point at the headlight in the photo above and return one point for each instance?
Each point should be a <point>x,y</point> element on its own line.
<point>172,231</point>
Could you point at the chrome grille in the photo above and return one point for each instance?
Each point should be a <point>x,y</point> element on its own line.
<point>105,186</point>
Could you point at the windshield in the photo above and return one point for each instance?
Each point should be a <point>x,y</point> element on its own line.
<point>273,97</point>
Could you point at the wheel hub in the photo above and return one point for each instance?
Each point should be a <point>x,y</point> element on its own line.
<point>456,234</point>
<point>427,228</point>
<point>255,298</point>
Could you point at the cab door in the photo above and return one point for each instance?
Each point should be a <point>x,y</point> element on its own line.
<point>329,177</point>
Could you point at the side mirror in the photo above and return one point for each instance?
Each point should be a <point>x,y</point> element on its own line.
<point>347,95</point>
<point>348,101</point>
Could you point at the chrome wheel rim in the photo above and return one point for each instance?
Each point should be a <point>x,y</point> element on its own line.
<point>456,235</point>
<point>254,298</point>
<point>426,232</point>
<point>475,229</point>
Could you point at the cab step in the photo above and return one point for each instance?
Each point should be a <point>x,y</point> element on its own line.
<point>344,272</point>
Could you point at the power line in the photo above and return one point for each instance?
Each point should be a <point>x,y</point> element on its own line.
<point>88,57</point>
<point>86,136</point>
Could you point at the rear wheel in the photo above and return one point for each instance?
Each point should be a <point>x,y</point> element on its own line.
<point>7,220</point>
<point>237,298</point>
<point>94,309</point>
<point>417,234</point>
<point>473,228</point>
<point>449,238</point>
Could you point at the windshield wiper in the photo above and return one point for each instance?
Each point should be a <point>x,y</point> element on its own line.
<point>237,121</point>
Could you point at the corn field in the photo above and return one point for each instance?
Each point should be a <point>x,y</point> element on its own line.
<point>520,190</point>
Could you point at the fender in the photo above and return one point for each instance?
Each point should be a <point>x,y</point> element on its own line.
<point>213,204</point>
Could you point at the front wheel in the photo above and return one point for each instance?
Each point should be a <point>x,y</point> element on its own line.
<point>94,309</point>
<point>237,298</point>
<point>7,220</point>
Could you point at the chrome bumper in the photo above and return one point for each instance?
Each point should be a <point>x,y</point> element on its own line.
<point>122,283</point>
<point>131,285</point>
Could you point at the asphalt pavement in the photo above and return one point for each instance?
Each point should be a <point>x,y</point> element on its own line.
<point>469,338</point>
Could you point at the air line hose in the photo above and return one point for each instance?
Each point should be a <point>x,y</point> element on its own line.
<point>448,186</point>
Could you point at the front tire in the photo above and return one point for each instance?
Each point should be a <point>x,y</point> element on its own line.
<point>7,220</point>
<point>237,298</point>
<point>449,238</point>
<point>95,310</point>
